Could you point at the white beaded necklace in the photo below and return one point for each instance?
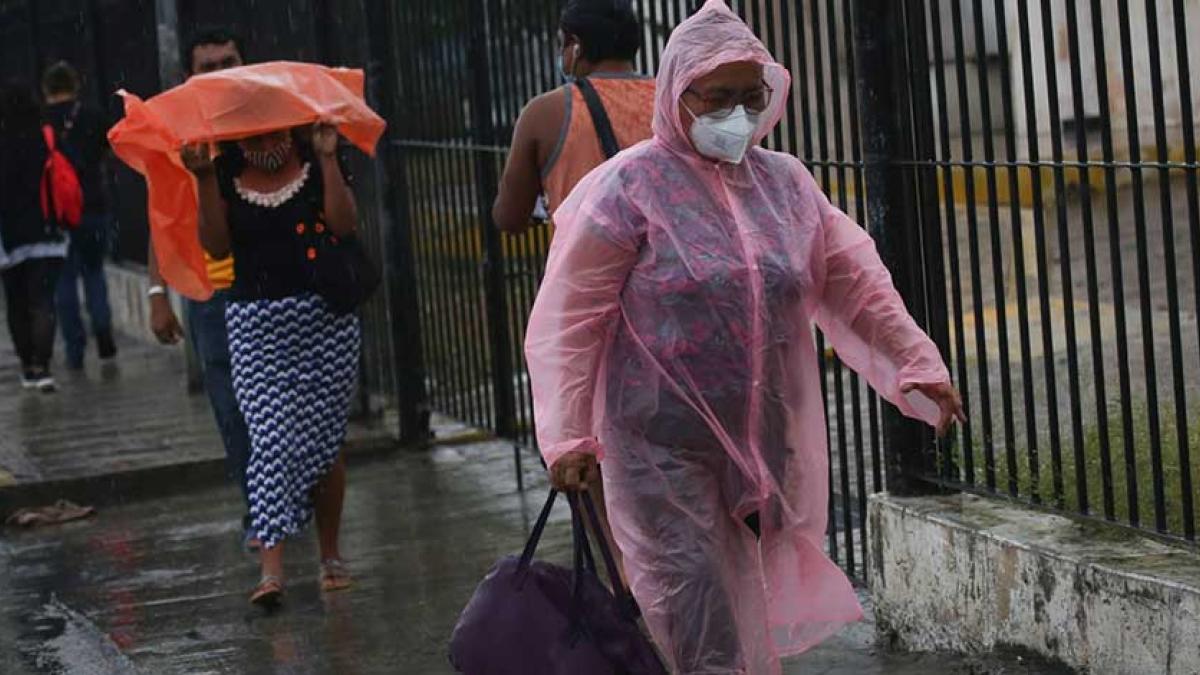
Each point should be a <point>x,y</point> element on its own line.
<point>272,200</point>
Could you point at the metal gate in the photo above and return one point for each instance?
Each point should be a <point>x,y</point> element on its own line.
<point>939,125</point>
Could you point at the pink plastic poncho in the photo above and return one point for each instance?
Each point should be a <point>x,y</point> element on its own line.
<point>673,338</point>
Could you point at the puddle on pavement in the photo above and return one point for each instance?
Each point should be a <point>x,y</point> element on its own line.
<point>57,640</point>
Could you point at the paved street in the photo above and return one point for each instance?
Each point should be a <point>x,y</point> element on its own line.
<point>157,583</point>
<point>160,586</point>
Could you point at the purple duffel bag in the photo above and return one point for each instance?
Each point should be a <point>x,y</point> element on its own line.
<point>530,617</point>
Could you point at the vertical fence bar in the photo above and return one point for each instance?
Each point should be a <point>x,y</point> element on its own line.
<point>405,308</point>
<point>1018,244</point>
<point>452,382</point>
<point>860,214</point>
<point>465,202</point>
<point>1143,264</point>
<point>470,201</point>
<point>981,350</point>
<point>1064,246</point>
<point>1188,124</point>
<point>425,241</point>
<point>486,184</point>
<point>926,246</point>
<point>1040,237</point>
<point>463,360</point>
<point>884,118</point>
<point>1154,46</point>
<point>999,297</point>
<point>836,157</point>
<point>1089,260</point>
<point>952,252</point>
<point>1114,252</point>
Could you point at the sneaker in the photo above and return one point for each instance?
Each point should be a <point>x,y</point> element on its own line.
<point>106,346</point>
<point>40,380</point>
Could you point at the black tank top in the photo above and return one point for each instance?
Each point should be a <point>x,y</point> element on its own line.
<point>273,247</point>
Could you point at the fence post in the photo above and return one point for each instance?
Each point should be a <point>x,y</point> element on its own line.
<point>486,185</point>
<point>898,203</point>
<point>170,73</point>
<point>383,78</point>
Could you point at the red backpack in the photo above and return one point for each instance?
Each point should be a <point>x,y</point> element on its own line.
<point>62,196</point>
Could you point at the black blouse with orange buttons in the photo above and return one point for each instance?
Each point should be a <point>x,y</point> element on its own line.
<point>274,248</point>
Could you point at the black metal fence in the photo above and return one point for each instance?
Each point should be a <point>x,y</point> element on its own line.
<point>1027,168</point>
<point>1062,143</point>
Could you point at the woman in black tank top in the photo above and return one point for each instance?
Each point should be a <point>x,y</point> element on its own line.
<point>272,201</point>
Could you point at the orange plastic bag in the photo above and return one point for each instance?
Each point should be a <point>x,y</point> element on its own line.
<point>226,105</point>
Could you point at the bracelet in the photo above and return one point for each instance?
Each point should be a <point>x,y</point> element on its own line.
<point>156,290</point>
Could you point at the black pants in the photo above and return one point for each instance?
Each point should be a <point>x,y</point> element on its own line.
<point>29,297</point>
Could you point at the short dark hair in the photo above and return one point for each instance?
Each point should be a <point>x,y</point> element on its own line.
<point>209,35</point>
<point>606,29</point>
<point>60,78</point>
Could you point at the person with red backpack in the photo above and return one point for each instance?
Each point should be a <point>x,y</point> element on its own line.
<point>79,131</point>
<point>32,242</point>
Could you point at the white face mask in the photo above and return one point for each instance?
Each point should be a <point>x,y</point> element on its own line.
<point>724,138</point>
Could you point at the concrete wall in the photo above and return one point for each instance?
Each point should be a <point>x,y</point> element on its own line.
<point>966,574</point>
<point>1113,73</point>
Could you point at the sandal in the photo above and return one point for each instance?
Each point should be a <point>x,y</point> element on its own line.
<point>334,575</point>
<point>268,592</point>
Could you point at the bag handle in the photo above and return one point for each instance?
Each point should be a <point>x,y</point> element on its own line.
<point>604,130</point>
<point>536,535</point>
<point>625,599</point>
<point>48,136</point>
<point>624,595</point>
<point>581,505</point>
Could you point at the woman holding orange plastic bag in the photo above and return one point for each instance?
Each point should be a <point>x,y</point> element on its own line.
<point>273,200</point>
<point>278,199</point>
<point>672,343</point>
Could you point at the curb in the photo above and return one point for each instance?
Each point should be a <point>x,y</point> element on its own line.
<point>157,481</point>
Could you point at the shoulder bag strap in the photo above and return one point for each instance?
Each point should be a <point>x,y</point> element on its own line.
<point>604,130</point>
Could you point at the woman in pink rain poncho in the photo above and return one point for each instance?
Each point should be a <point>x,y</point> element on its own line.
<point>672,341</point>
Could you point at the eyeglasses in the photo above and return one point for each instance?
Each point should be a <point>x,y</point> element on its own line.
<point>722,102</point>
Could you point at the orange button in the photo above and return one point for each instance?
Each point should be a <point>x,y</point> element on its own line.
<point>312,253</point>
<point>300,228</point>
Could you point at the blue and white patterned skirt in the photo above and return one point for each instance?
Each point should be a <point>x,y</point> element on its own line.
<point>295,364</point>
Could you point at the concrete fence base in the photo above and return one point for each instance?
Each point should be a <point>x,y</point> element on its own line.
<point>966,574</point>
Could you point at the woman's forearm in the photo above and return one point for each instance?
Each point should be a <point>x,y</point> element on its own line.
<point>214,227</point>
<point>341,213</point>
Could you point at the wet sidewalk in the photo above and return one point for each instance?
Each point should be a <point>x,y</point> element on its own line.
<point>160,586</point>
<point>157,581</point>
<point>119,429</point>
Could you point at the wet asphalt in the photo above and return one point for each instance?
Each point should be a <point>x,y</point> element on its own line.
<point>157,582</point>
<point>160,586</point>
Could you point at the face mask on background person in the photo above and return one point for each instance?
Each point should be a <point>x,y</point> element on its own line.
<point>724,135</point>
<point>564,76</point>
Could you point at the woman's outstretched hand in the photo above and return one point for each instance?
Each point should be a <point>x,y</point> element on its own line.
<point>948,402</point>
<point>574,471</point>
